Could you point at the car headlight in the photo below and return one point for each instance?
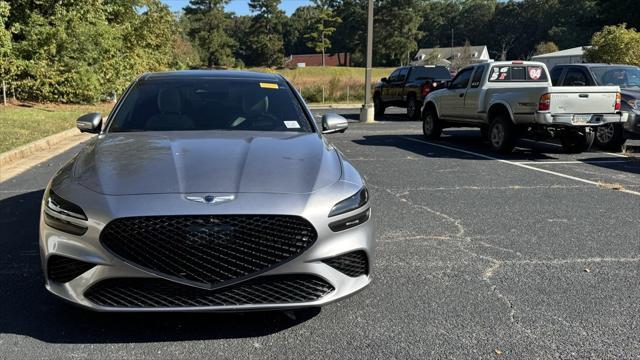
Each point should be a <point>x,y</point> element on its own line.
<point>351,203</point>
<point>64,215</point>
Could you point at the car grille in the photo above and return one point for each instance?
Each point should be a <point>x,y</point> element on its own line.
<point>63,269</point>
<point>208,251</point>
<point>160,293</point>
<point>352,264</point>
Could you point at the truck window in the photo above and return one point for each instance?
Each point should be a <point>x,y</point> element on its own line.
<point>555,75</point>
<point>402,74</point>
<point>504,73</point>
<point>576,77</point>
<point>394,75</point>
<point>429,73</point>
<point>462,79</point>
<point>477,77</point>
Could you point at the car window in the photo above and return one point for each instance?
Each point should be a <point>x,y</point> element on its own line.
<point>462,79</point>
<point>576,77</point>
<point>501,73</point>
<point>394,75</point>
<point>402,74</point>
<point>477,77</point>
<point>555,75</point>
<point>210,104</point>
<point>429,73</point>
<point>623,76</point>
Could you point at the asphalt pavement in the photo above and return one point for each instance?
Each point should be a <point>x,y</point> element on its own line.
<point>531,255</point>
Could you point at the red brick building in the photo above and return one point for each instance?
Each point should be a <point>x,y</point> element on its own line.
<point>337,59</point>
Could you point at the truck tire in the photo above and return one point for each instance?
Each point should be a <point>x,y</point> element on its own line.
<point>431,126</point>
<point>378,105</point>
<point>578,141</point>
<point>413,109</point>
<point>610,137</point>
<point>502,134</point>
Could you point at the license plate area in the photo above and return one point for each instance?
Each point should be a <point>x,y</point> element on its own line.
<point>584,119</point>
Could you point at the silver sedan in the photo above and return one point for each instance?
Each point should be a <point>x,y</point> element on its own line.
<point>207,191</point>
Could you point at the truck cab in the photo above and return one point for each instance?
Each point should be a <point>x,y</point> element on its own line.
<point>407,87</point>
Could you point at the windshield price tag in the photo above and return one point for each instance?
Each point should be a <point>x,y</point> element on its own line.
<point>292,124</point>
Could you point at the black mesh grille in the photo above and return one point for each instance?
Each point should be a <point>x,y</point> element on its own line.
<point>62,269</point>
<point>155,293</point>
<point>352,264</point>
<point>208,251</point>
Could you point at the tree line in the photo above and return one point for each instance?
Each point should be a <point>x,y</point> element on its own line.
<point>88,50</point>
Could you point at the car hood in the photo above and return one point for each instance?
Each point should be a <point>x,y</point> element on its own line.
<point>207,161</point>
<point>633,93</point>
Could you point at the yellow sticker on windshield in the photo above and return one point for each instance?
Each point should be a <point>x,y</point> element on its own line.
<point>268,85</point>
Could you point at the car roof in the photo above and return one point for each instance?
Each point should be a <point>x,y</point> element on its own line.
<point>212,74</point>
<point>598,65</point>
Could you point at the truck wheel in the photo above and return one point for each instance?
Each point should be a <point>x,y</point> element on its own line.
<point>577,142</point>
<point>431,126</point>
<point>502,135</point>
<point>413,109</point>
<point>610,137</point>
<point>378,105</point>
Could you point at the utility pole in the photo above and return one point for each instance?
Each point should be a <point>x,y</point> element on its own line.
<point>367,111</point>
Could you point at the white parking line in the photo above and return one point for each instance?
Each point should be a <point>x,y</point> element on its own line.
<point>572,162</point>
<point>517,164</point>
<point>619,155</point>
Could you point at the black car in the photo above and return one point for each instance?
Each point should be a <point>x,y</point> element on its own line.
<point>407,87</point>
<point>610,137</point>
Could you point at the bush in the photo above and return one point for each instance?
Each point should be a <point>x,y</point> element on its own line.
<point>615,45</point>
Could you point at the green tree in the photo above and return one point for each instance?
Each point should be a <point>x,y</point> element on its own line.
<point>301,22</point>
<point>319,39</point>
<point>208,25</point>
<point>396,41</point>
<point>615,44</point>
<point>266,33</point>
<point>351,35</point>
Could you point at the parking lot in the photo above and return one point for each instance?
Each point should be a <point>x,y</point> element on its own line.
<point>531,255</point>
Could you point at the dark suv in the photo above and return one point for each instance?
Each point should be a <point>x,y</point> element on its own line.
<point>611,136</point>
<point>407,87</point>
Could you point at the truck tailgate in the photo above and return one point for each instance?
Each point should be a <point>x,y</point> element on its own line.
<point>583,99</point>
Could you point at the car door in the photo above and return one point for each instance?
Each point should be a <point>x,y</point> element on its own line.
<point>386,93</point>
<point>452,102</point>
<point>399,85</point>
<point>472,96</point>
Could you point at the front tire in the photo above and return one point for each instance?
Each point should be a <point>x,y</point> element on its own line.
<point>577,142</point>
<point>431,126</point>
<point>413,109</point>
<point>610,137</point>
<point>502,135</point>
<point>378,105</point>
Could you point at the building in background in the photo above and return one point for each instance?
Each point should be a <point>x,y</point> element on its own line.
<point>568,56</point>
<point>449,56</point>
<point>302,60</point>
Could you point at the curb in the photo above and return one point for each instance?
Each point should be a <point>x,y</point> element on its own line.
<point>44,144</point>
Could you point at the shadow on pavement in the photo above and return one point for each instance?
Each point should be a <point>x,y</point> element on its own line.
<point>385,117</point>
<point>26,308</point>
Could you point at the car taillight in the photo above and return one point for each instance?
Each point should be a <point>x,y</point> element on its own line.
<point>425,89</point>
<point>618,101</point>
<point>545,102</point>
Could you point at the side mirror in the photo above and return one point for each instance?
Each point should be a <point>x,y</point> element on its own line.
<point>334,123</point>
<point>90,123</point>
<point>384,80</point>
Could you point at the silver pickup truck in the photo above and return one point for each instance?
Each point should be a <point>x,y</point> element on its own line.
<point>509,100</point>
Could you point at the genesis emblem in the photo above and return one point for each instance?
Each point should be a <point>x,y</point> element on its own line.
<point>210,199</point>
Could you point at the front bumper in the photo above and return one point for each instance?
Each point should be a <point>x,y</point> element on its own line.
<point>632,126</point>
<point>88,248</point>
<point>547,118</point>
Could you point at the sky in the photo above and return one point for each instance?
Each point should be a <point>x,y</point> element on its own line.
<point>240,7</point>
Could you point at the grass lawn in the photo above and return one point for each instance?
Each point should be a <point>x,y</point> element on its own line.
<point>21,124</point>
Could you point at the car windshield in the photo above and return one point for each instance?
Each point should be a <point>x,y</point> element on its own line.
<point>623,76</point>
<point>164,104</point>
